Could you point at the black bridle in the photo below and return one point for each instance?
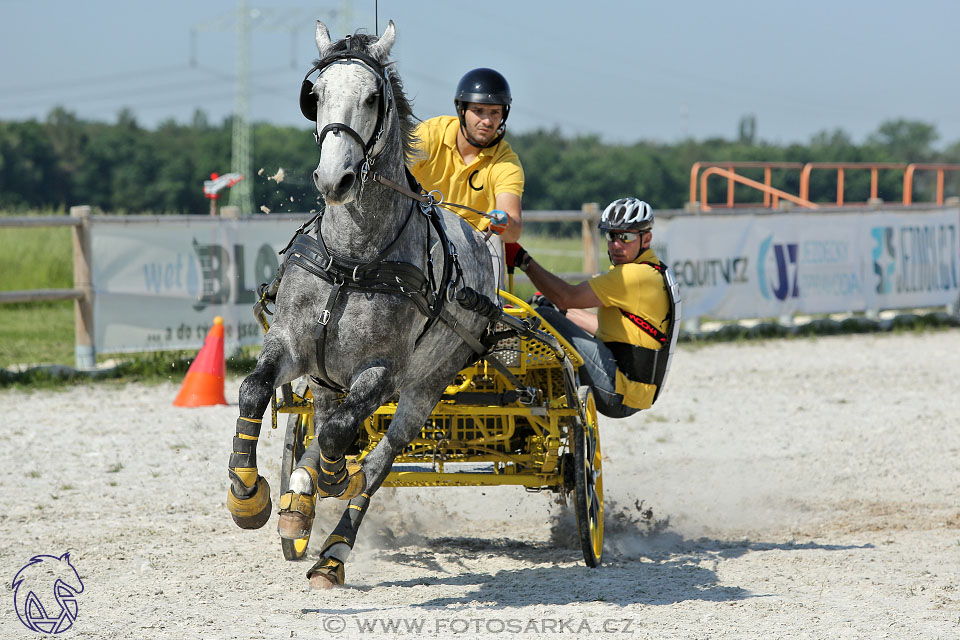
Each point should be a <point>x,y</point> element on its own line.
<point>309,102</point>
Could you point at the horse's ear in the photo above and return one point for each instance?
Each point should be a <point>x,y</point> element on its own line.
<point>323,39</point>
<point>381,48</point>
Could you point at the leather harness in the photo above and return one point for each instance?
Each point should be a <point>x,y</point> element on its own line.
<point>377,276</point>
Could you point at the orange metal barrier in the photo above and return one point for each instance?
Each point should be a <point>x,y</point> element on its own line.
<point>771,196</point>
<point>912,168</point>
<point>731,166</point>
<point>873,167</point>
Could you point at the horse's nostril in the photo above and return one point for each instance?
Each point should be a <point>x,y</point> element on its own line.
<point>345,183</point>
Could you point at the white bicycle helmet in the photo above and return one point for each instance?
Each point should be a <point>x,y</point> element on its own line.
<point>627,214</point>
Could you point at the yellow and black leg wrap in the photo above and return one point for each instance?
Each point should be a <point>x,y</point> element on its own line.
<point>330,567</point>
<point>297,511</point>
<point>251,510</point>
<point>341,478</point>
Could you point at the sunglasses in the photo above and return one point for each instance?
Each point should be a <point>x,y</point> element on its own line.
<point>625,237</point>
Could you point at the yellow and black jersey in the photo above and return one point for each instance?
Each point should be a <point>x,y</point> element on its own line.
<point>636,306</point>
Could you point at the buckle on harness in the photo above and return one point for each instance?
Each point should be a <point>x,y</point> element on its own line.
<point>329,264</point>
<point>355,276</point>
<point>324,317</point>
<point>426,206</point>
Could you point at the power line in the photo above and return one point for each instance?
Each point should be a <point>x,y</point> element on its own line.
<point>61,84</point>
<point>8,102</point>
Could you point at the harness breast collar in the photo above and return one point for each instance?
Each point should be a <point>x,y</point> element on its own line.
<point>377,276</point>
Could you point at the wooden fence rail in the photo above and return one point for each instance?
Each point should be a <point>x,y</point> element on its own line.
<point>82,292</point>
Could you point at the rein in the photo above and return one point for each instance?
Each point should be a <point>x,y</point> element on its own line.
<point>424,199</point>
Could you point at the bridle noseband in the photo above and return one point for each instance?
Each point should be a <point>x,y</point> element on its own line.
<point>309,102</point>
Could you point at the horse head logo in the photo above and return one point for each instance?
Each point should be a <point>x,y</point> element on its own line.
<point>45,593</point>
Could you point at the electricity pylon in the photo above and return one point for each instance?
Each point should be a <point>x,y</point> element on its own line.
<point>244,20</point>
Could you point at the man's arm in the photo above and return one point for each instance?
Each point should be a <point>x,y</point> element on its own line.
<point>560,292</point>
<point>586,320</point>
<point>511,205</point>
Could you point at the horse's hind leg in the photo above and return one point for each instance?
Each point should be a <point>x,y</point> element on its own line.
<point>412,411</point>
<point>248,498</point>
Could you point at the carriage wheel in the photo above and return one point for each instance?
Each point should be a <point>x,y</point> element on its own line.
<point>588,491</point>
<point>298,425</point>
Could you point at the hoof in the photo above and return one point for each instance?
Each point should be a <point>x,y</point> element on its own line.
<point>327,573</point>
<point>293,526</point>
<point>296,516</point>
<point>253,511</point>
<point>320,582</point>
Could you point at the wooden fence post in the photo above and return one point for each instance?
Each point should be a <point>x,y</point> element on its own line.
<point>591,237</point>
<point>85,352</point>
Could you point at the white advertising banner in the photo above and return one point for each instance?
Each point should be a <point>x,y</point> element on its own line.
<point>159,282</point>
<point>771,264</point>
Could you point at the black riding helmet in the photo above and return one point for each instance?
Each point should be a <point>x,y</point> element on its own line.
<point>483,86</point>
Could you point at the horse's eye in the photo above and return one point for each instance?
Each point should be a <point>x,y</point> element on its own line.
<point>371,100</point>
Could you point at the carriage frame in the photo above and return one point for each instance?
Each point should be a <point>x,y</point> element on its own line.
<point>525,422</point>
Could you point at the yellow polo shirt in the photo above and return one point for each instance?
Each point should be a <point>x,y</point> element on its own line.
<point>494,171</point>
<point>640,290</point>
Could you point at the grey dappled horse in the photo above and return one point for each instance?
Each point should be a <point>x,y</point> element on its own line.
<point>374,342</point>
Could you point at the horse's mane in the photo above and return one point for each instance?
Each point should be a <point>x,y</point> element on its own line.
<point>408,122</point>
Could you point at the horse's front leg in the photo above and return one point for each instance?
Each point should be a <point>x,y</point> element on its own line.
<point>412,411</point>
<point>248,498</point>
<point>323,470</point>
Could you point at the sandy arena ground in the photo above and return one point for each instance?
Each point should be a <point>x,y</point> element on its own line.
<point>803,488</point>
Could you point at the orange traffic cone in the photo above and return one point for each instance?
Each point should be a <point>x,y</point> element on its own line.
<point>203,384</point>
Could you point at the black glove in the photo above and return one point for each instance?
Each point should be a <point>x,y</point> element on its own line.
<point>540,300</point>
<point>516,256</point>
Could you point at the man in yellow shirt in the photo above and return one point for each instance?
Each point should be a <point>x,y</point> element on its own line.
<point>467,160</point>
<point>627,345</point>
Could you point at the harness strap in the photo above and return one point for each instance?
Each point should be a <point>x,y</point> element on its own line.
<point>320,334</point>
<point>480,349</point>
<point>471,340</point>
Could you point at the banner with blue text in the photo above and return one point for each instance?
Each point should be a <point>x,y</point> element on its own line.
<point>159,283</point>
<point>773,264</point>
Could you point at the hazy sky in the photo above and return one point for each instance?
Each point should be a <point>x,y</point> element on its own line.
<point>625,70</point>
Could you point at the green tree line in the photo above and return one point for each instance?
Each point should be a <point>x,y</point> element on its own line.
<point>122,167</point>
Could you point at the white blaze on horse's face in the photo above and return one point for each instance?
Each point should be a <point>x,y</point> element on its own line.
<point>348,94</point>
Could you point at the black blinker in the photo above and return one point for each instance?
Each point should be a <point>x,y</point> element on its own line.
<point>308,101</point>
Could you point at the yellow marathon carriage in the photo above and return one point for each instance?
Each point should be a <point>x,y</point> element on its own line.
<point>517,419</point>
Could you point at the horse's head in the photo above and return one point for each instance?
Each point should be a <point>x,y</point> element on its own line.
<point>352,102</point>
